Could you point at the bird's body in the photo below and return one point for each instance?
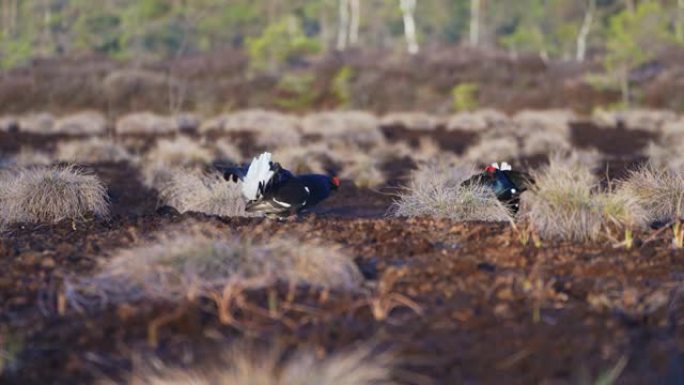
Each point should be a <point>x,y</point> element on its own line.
<point>275,191</point>
<point>506,184</point>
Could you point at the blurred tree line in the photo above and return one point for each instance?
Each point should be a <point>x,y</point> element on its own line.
<point>622,33</point>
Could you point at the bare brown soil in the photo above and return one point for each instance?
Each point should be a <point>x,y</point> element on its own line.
<point>490,310</point>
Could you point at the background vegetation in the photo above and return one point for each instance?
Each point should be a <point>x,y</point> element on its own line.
<point>619,36</point>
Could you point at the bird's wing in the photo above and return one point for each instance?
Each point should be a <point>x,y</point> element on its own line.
<point>520,179</point>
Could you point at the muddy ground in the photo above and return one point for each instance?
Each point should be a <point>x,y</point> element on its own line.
<point>484,308</point>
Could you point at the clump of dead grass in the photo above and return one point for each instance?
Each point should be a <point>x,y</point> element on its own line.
<point>145,123</point>
<point>196,266</point>
<point>636,119</point>
<point>568,204</point>
<point>25,158</point>
<point>659,191</point>
<point>81,123</point>
<point>203,193</point>
<point>436,190</point>
<point>493,149</point>
<point>546,142</point>
<point>531,122</point>
<point>415,121</point>
<point>92,150</point>
<point>272,129</point>
<point>243,364</point>
<point>354,128</point>
<point>310,158</point>
<point>477,121</point>
<point>170,155</point>
<point>50,194</point>
<point>37,123</point>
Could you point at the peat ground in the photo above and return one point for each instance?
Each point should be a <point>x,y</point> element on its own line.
<point>482,307</point>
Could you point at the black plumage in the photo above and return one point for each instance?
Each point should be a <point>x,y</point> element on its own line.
<point>506,184</point>
<point>284,193</point>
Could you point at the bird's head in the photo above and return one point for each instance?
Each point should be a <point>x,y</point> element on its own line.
<point>492,168</point>
<point>334,182</point>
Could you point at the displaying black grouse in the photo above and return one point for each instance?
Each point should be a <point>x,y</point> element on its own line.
<point>506,183</point>
<point>275,191</point>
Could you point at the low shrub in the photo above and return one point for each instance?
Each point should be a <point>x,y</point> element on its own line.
<point>50,194</point>
<point>435,190</point>
<point>191,266</point>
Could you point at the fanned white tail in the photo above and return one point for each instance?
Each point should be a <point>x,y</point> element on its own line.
<point>258,175</point>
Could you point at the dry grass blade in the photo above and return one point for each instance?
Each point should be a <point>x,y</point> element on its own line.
<point>192,266</point>
<point>209,194</point>
<point>246,365</point>
<point>567,204</point>
<point>50,194</point>
<point>436,191</point>
<point>659,191</point>
<point>92,150</point>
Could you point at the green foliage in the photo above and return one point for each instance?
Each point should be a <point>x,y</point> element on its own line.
<point>99,31</point>
<point>279,43</point>
<point>15,52</point>
<point>634,38</point>
<point>341,85</point>
<point>277,32</point>
<point>296,92</point>
<point>464,97</point>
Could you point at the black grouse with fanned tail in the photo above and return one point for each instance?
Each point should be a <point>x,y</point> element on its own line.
<point>506,184</point>
<point>275,191</point>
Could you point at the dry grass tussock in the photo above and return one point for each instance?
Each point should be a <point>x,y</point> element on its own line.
<point>50,194</point>
<point>7,123</point>
<point>532,122</point>
<point>345,127</point>
<point>303,159</point>
<point>479,121</point>
<point>364,171</point>
<point>146,123</point>
<point>435,190</point>
<point>638,119</point>
<point>546,142</point>
<point>26,157</point>
<point>567,204</point>
<point>667,151</point>
<point>192,266</point>
<point>81,123</point>
<point>92,150</point>
<point>38,123</point>
<point>272,129</point>
<point>660,192</point>
<point>189,191</point>
<point>226,150</point>
<point>243,364</point>
<point>493,149</point>
<point>417,121</point>
<point>162,161</point>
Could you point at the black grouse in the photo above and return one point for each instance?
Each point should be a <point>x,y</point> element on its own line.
<point>275,191</point>
<point>504,182</point>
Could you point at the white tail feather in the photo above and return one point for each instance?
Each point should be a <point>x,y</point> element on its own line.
<point>504,166</point>
<point>259,173</point>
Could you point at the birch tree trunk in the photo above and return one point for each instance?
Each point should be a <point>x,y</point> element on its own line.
<point>343,26</point>
<point>475,6</point>
<point>355,8</point>
<point>408,8</point>
<point>583,34</point>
